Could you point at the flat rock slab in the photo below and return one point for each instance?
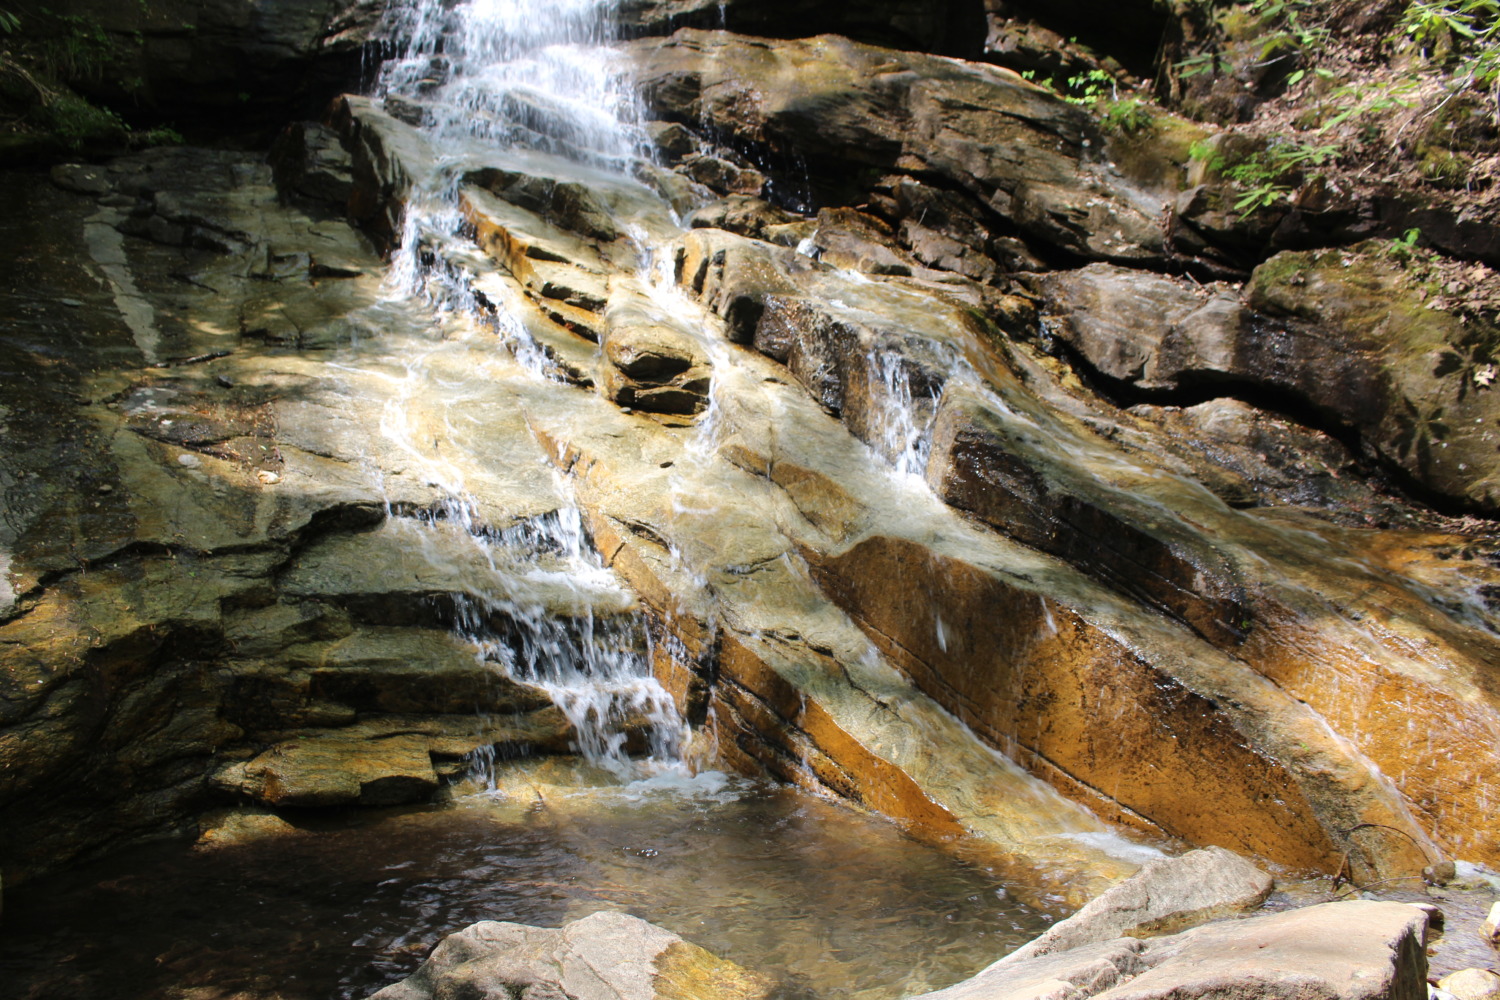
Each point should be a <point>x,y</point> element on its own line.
<point>604,956</point>
<point>1354,950</point>
<point>1164,896</point>
<point>330,772</point>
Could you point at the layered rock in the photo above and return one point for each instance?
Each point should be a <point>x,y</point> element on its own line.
<point>1346,337</point>
<point>1006,157</point>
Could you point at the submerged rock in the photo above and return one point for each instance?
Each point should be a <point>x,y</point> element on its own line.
<point>604,956</point>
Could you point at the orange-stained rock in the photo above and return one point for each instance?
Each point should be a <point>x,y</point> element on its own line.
<point>1106,724</point>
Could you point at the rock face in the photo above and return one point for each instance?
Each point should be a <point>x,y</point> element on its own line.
<point>1346,336</point>
<point>248,58</point>
<point>1349,950</point>
<point>604,956</point>
<point>1023,158</point>
<point>947,27</point>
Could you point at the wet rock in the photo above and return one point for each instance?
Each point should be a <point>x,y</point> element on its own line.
<point>336,772</point>
<point>413,671</point>
<point>1471,984</point>
<point>860,242</point>
<point>722,174</point>
<point>743,214</point>
<point>980,466</point>
<point>1265,459</point>
<point>569,204</point>
<point>673,139</point>
<point>1354,950</point>
<point>1163,897</point>
<point>654,368</point>
<point>603,955</point>
<point>850,111</point>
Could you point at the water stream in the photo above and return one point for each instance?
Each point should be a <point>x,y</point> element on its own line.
<point>511,75</point>
<point>831,903</point>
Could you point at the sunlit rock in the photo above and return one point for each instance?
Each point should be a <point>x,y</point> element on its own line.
<point>603,956</point>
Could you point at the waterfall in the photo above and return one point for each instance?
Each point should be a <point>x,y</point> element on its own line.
<point>523,76</point>
<point>532,74</point>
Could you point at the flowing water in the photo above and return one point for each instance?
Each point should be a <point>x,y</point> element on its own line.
<point>829,902</point>
<point>508,76</point>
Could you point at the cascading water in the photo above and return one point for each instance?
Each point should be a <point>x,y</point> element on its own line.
<point>523,76</point>
<point>516,73</point>
<point>906,417</point>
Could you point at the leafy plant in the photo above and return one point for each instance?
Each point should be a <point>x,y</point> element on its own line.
<point>1404,247</point>
<point>1462,37</point>
<point>9,23</point>
<point>1291,31</point>
<point>1129,115</point>
<point>1081,88</point>
<point>1361,100</point>
<point>1266,176</point>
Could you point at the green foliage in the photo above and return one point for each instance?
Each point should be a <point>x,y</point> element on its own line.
<point>1404,248</point>
<point>1087,88</point>
<point>1129,115</point>
<point>74,48</point>
<point>75,121</point>
<point>1354,101</point>
<point>1098,90</point>
<point>1288,29</point>
<point>1268,175</point>
<point>9,23</point>
<point>1436,24</point>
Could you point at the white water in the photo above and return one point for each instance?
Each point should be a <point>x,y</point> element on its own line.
<point>522,75</point>
<point>906,417</point>
<point>519,73</point>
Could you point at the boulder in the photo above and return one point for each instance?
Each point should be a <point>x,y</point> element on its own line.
<point>604,956</point>
<point>1163,897</point>
<point>1354,950</point>
<point>1471,984</point>
<point>337,772</point>
<point>1490,929</point>
<point>1409,374</point>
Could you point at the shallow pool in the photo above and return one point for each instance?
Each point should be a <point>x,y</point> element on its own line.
<point>829,902</point>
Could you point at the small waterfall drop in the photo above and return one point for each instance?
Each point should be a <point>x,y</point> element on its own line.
<point>905,420</point>
<point>522,77</point>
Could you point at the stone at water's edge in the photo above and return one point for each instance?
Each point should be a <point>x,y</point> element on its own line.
<point>1471,984</point>
<point>1354,950</point>
<point>604,956</point>
<point>1162,897</point>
